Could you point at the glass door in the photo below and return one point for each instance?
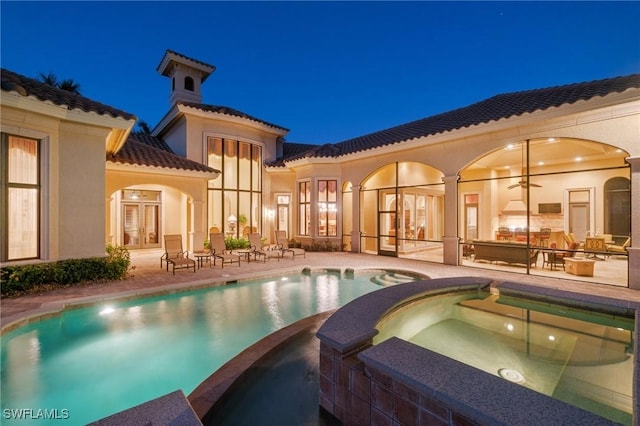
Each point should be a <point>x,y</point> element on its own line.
<point>151,227</point>
<point>131,221</point>
<point>470,217</point>
<point>282,213</point>
<point>141,219</point>
<point>387,224</point>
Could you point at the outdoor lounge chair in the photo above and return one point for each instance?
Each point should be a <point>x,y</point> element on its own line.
<point>282,244</point>
<point>258,249</point>
<point>219,250</point>
<point>174,255</point>
<point>615,249</point>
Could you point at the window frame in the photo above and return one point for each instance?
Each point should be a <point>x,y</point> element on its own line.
<point>228,188</point>
<point>330,206</point>
<point>304,207</point>
<point>6,185</point>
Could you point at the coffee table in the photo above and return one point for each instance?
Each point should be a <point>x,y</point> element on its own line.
<point>581,267</point>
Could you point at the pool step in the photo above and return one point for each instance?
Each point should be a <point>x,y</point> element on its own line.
<point>391,278</point>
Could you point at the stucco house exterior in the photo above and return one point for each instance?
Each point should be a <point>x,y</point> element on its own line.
<point>438,189</point>
<point>54,145</point>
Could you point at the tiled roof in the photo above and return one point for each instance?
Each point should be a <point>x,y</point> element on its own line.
<point>13,82</point>
<point>229,111</point>
<point>291,149</point>
<point>137,152</point>
<point>173,52</point>
<point>150,140</point>
<point>492,109</point>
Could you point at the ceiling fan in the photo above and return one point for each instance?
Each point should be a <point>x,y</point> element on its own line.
<point>522,183</point>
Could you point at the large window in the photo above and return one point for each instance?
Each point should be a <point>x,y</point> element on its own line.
<point>304,202</point>
<point>327,208</point>
<point>545,199</point>
<point>402,207</point>
<point>235,199</point>
<point>20,197</point>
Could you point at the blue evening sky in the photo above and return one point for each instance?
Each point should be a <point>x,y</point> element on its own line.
<point>329,71</point>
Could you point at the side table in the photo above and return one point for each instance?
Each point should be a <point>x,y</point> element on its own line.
<point>202,257</point>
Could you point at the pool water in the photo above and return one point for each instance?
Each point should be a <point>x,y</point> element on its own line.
<point>88,363</point>
<point>582,358</point>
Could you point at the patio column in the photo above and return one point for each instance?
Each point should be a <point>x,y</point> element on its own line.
<point>355,218</point>
<point>197,234</point>
<point>634,249</point>
<point>450,240</point>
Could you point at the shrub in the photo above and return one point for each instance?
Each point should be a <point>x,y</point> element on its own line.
<point>236,243</point>
<point>322,245</point>
<point>22,279</point>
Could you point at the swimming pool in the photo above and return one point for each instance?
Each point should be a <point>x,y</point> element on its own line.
<point>88,363</point>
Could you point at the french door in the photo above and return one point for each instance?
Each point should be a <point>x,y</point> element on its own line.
<point>141,225</point>
<point>387,223</point>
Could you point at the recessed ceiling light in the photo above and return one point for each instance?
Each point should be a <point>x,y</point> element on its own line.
<point>551,139</point>
<point>578,158</point>
<point>510,146</point>
<point>540,163</point>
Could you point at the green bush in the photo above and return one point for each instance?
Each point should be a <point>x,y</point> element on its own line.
<point>22,279</point>
<point>321,245</point>
<point>236,243</point>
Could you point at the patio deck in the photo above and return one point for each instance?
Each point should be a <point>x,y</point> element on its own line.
<point>149,278</point>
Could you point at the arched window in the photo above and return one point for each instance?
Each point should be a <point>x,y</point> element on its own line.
<point>188,84</point>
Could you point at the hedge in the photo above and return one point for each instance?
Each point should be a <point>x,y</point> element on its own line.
<point>20,279</point>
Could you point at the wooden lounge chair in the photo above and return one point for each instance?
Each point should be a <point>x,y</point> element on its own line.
<point>219,250</point>
<point>174,255</point>
<point>282,244</point>
<point>258,249</point>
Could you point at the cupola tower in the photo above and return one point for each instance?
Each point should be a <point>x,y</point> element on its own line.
<point>187,76</point>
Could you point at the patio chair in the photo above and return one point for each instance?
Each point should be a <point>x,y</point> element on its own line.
<point>174,255</point>
<point>282,244</point>
<point>255,241</point>
<point>219,250</point>
<point>543,236</point>
<point>556,258</point>
<point>618,250</point>
<point>504,233</point>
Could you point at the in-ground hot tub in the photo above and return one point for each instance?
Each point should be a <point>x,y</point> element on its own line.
<point>368,374</point>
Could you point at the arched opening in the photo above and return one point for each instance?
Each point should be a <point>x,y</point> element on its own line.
<point>540,206</point>
<point>402,211</point>
<point>188,84</point>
